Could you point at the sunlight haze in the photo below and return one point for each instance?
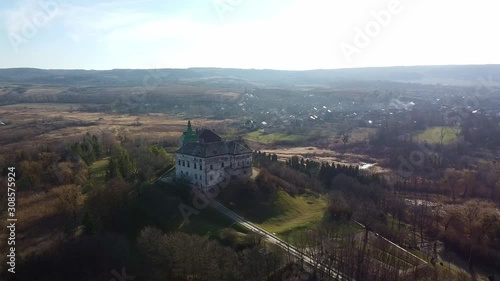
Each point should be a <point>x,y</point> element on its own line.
<point>281,34</point>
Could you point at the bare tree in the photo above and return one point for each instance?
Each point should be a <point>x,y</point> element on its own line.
<point>70,199</point>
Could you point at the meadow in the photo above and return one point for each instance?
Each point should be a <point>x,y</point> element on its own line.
<point>435,135</point>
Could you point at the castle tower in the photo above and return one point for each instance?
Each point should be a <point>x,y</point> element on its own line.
<point>188,136</point>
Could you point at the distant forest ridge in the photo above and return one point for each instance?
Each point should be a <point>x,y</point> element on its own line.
<point>447,75</point>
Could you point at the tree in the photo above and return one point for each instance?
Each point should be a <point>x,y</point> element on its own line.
<point>452,180</point>
<point>89,149</point>
<point>150,161</point>
<point>345,139</point>
<point>367,215</point>
<point>70,199</point>
<point>89,225</point>
<point>338,208</point>
<point>228,237</point>
<point>121,164</point>
<point>64,173</point>
<point>469,182</point>
<point>113,171</point>
<point>32,171</point>
<point>153,246</point>
<point>105,202</point>
<point>477,218</point>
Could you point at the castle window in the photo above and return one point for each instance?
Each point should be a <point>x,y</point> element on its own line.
<point>200,167</point>
<point>211,167</point>
<point>179,162</point>
<point>195,165</point>
<point>222,164</point>
<point>188,164</point>
<point>183,163</point>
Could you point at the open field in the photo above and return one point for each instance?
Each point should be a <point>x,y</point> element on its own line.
<point>434,135</point>
<point>98,171</point>
<point>261,137</point>
<point>46,124</point>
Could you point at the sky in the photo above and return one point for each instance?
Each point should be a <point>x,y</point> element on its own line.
<point>261,34</point>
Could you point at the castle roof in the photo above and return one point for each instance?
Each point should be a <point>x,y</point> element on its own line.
<point>212,149</point>
<point>207,136</point>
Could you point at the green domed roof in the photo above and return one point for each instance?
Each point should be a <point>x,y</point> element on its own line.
<point>189,135</point>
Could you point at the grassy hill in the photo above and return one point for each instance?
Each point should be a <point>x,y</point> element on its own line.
<point>294,213</point>
<point>280,213</point>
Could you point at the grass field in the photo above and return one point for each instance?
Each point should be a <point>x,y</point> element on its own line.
<point>280,213</point>
<point>98,171</point>
<point>360,135</point>
<point>295,213</point>
<point>261,137</point>
<point>433,135</point>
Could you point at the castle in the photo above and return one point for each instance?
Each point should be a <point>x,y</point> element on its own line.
<point>206,160</point>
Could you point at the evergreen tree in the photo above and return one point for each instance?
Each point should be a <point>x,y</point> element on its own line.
<point>89,226</point>
<point>120,164</point>
<point>113,169</point>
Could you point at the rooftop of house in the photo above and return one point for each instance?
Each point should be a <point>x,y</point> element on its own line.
<point>212,149</point>
<point>205,143</point>
<point>207,136</point>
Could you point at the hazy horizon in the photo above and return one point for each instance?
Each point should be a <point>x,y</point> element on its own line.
<point>241,68</point>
